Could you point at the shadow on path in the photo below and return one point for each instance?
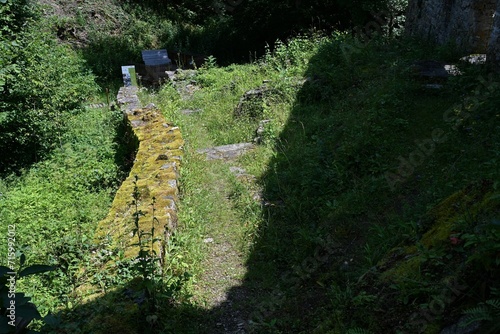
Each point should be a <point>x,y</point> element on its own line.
<point>302,245</point>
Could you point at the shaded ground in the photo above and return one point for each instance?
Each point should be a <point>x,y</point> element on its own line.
<point>329,217</point>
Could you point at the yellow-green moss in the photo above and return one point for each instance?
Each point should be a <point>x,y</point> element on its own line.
<point>156,166</point>
<point>446,214</point>
<point>443,215</point>
<point>442,221</point>
<point>408,268</point>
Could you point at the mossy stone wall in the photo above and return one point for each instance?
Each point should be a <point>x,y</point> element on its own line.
<point>156,168</point>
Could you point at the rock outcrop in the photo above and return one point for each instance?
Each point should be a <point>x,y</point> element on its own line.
<point>494,42</point>
<point>471,25</point>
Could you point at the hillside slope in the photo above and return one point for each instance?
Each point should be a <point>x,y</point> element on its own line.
<point>369,202</point>
<point>378,203</point>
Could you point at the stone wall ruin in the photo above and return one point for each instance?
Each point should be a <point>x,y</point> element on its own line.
<point>156,167</point>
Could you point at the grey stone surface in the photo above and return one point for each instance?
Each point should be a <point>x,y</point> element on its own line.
<point>238,171</point>
<point>468,23</point>
<point>474,59</point>
<point>185,74</point>
<point>168,165</point>
<point>493,52</point>
<point>171,203</point>
<point>249,101</point>
<point>136,123</point>
<point>473,25</point>
<point>457,329</point>
<point>171,75</point>
<point>433,74</point>
<point>127,99</point>
<point>260,131</point>
<point>434,69</point>
<point>226,151</point>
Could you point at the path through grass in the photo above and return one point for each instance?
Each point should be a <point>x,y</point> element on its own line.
<point>212,198</point>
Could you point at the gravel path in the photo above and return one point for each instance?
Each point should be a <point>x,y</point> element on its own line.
<point>223,274</point>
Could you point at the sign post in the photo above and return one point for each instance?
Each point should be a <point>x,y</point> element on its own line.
<point>129,77</point>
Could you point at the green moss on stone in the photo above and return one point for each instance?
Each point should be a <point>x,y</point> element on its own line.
<point>408,268</point>
<point>404,262</point>
<point>156,166</point>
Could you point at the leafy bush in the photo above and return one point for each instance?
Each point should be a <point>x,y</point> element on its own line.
<point>106,54</point>
<point>16,310</point>
<point>57,202</point>
<point>11,15</point>
<point>41,83</point>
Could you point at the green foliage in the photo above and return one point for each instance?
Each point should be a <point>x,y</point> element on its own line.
<point>229,30</point>
<point>13,16</point>
<point>42,84</point>
<point>291,58</point>
<point>134,27</point>
<point>12,13</point>
<point>57,202</point>
<point>329,140</point>
<point>484,241</point>
<point>16,310</point>
<point>106,54</point>
<point>487,313</point>
<point>148,261</point>
<point>159,282</point>
<point>343,111</point>
<point>210,62</point>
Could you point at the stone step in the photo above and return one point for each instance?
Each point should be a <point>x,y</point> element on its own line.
<point>97,105</point>
<point>432,69</point>
<point>226,152</point>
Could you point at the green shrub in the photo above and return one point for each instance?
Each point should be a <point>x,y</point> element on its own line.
<point>16,310</point>
<point>57,202</point>
<point>42,84</point>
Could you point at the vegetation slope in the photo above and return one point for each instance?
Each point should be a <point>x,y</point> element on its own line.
<point>370,205</point>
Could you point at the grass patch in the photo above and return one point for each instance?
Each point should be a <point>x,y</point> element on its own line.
<point>338,128</point>
<point>56,204</point>
<point>367,202</point>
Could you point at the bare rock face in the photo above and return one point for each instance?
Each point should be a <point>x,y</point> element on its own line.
<point>493,54</point>
<point>467,23</point>
<point>250,103</point>
<point>458,329</point>
<point>473,26</point>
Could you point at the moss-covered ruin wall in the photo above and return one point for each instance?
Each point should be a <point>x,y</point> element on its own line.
<point>156,168</point>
